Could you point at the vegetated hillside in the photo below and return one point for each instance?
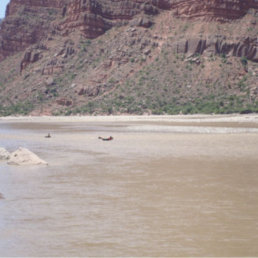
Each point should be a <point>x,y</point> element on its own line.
<point>137,57</point>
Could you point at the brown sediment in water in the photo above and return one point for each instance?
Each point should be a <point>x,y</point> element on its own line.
<point>146,194</point>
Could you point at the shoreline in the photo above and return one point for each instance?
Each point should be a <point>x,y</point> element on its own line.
<point>184,119</point>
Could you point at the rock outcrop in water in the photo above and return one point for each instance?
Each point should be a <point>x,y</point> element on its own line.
<point>4,154</point>
<point>23,156</point>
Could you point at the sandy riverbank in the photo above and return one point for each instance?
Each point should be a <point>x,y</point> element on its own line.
<point>249,118</point>
<point>179,123</point>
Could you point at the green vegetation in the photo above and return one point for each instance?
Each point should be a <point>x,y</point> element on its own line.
<point>88,108</point>
<point>85,44</point>
<point>242,83</point>
<point>210,104</point>
<point>17,109</point>
<point>244,61</point>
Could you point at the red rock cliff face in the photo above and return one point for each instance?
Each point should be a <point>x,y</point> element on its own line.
<point>222,10</point>
<point>94,17</point>
<point>15,5</point>
<point>28,21</point>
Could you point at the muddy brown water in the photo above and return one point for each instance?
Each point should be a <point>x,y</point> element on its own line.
<point>152,191</point>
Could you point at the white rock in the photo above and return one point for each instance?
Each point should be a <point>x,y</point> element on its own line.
<point>23,156</point>
<point>4,154</point>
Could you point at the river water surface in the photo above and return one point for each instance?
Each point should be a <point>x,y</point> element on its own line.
<point>155,190</point>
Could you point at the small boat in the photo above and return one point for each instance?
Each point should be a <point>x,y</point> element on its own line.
<point>48,136</point>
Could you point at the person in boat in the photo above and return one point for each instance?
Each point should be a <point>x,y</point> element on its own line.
<point>110,138</point>
<point>48,136</point>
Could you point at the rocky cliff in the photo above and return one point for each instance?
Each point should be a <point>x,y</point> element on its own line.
<point>28,21</point>
<point>221,10</point>
<point>71,53</point>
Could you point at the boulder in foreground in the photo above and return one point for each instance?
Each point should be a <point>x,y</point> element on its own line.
<point>4,154</point>
<point>23,156</point>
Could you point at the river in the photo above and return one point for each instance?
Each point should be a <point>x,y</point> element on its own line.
<point>157,189</point>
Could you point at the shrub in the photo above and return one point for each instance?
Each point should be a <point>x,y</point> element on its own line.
<point>244,61</point>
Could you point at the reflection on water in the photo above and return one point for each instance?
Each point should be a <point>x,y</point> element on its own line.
<point>143,194</point>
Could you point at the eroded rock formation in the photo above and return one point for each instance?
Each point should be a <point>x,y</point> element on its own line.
<point>32,55</point>
<point>68,59</point>
<point>93,18</point>
<point>14,6</point>
<point>28,21</point>
<point>222,10</point>
<point>218,45</point>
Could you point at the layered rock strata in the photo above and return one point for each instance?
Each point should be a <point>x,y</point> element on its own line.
<point>221,10</point>
<point>93,18</point>
<point>29,21</point>
<point>218,45</point>
<point>14,6</point>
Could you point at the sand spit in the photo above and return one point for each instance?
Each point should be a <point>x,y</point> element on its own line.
<point>190,129</point>
<point>217,124</point>
<point>250,118</point>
